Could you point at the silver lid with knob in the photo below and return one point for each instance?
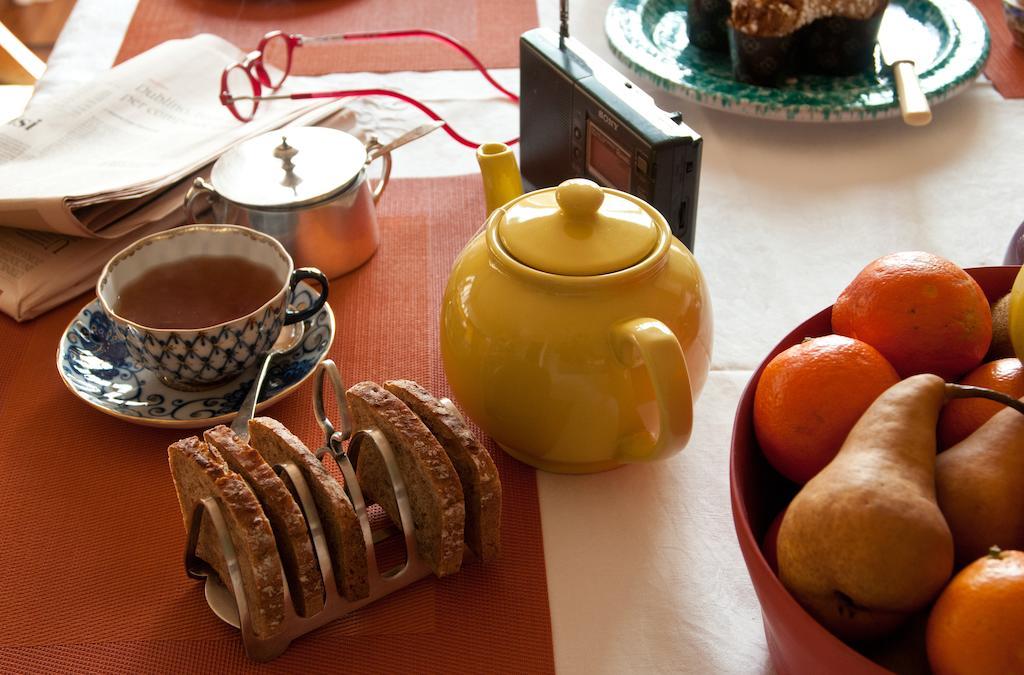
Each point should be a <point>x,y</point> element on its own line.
<point>290,167</point>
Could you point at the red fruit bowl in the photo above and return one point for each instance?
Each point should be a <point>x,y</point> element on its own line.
<point>796,642</point>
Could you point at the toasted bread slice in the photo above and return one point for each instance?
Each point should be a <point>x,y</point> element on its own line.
<point>480,482</point>
<point>344,536</point>
<point>435,492</point>
<point>199,472</point>
<point>290,530</point>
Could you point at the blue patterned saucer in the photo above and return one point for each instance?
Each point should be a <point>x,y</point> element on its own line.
<point>948,39</point>
<point>93,361</point>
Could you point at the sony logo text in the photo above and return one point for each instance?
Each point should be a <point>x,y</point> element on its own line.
<point>607,119</point>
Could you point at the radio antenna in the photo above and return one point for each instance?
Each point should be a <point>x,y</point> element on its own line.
<point>563,26</point>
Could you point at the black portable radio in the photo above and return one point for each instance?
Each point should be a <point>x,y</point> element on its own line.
<point>579,117</point>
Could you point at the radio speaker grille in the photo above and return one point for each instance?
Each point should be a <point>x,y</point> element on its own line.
<point>545,119</point>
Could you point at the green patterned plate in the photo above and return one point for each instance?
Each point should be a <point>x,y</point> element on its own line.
<point>948,37</point>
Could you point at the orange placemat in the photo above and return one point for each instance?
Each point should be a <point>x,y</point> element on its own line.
<point>1005,66</point>
<point>488,28</point>
<point>92,544</point>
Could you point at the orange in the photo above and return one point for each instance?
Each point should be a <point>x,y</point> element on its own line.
<point>977,624</point>
<point>923,312</point>
<point>961,417</point>
<point>810,396</point>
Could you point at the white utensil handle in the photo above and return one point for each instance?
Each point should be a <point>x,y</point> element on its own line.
<point>913,104</point>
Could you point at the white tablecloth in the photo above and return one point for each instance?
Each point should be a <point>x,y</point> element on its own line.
<point>644,572</point>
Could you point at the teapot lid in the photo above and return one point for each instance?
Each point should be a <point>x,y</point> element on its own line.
<point>578,229</point>
<point>289,167</point>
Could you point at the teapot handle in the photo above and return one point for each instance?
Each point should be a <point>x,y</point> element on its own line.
<point>651,343</point>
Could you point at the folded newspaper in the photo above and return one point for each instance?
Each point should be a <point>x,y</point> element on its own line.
<point>83,175</point>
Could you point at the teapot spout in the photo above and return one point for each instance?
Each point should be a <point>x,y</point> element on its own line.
<point>500,172</point>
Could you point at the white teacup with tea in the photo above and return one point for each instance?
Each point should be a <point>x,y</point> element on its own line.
<point>198,305</point>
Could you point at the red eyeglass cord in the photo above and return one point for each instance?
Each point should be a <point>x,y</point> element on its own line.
<point>408,99</point>
<point>412,32</point>
<point>420,32</point>
<point>437,35</point>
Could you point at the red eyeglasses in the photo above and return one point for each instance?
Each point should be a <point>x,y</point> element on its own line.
<point>241,84</point>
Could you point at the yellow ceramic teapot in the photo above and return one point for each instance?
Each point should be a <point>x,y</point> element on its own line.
<point>575,329</point>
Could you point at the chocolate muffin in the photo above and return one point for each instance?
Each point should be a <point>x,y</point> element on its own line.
<point>707,24</point>
<point>772,40</point>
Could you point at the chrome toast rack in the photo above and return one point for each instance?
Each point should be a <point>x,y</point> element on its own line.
<point>232,608</point>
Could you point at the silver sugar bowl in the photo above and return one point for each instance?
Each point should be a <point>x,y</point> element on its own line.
<point>305,186</point>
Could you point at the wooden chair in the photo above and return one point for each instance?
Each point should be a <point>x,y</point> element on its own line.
<point>19,70</point>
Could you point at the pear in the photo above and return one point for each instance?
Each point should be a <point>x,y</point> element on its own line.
<point>979,483</point>
<point>1015,314</point>
<point>1002,344</point>
<point>863,546</point>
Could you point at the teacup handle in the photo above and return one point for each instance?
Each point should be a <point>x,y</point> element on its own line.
<point>651,343</point>
<point>374,150</point>
<point>199,187</point>
<point>291,316</point>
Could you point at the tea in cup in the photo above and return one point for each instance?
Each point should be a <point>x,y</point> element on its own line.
<point>200,304</point>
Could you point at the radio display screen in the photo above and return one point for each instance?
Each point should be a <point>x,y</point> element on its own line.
<point>606,160</point>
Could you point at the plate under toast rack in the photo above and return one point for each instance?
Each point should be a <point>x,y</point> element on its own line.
<point>232,607</point>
